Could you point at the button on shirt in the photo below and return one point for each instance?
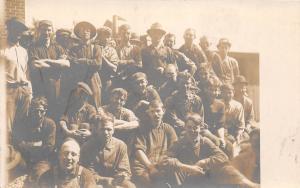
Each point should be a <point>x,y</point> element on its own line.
<point>16,64</point>
<point>110,160</point>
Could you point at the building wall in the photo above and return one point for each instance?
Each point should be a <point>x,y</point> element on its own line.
<point>12,8</point>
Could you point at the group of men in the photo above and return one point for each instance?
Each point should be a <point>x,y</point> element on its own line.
<point>97,111</point>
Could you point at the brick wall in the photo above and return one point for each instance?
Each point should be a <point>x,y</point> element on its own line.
<point>13,8</point>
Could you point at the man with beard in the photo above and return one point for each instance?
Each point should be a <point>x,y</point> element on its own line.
<point>106,156</point>
<point>240,85</point>
<point>191,50</point>
<point>126,122</point>
<point>68,173</point>
<point>18,86</point>
<point>183,102</point>
<point>225,67</point>
<point>141,93</point>
<point>75,122</point>
<point>47,61</point>
<point>156,56</point>
<point>152,142</point>
<point>87,61</point>
<point>35,139</point>
<point>183,62</point>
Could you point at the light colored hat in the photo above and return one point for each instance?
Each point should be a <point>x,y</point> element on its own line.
<point>156,27</point>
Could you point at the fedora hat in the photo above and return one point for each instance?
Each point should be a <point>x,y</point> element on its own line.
<point>224,41</point>
<point>156,27</point>
<point>15,24</point>
<point>78,27</point>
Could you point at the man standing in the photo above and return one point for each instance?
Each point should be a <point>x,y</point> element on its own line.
<point>68,173</point>
<point>17,79</point>
<point>156,56</point>
<point>87,61</point>
<point>225,67</point>
<point>129,54</point>
<point>106,155</point>
<point>47,60</point>
<point>191,50</point>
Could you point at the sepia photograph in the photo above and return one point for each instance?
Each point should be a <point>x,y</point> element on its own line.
<point>138,94</point>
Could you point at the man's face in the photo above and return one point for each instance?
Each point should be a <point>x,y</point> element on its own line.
<point>45,32</point>
<point>140,85</point>
<point>125,35</point>
<point>185,85</point>
<point>170,42</point>
<point>156,114</point>
<point>38,112</point>
<point>224,49</point>
<point>85,34</point>
<point>189,37</point>
<point>106,131</point>
<point>171,73</point>
<point>156,37</point>
<point>193,131</point>
<point>64,40</point>
<point>104,39</point>
<point>118,101</point>
<point>204,43</point>
<point>69,156</point>
<point>241,89</point>
<point>227,94</point>
<point>213,91</point>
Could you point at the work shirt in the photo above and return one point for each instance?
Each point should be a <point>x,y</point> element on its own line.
<point>16,64</point>
<point>36,143</point>
<point>110,160</point>
<point>194,53</point>
<point>226,69</point>
<point>234,116</point>
<point>79,177</point>
<point>248,110</point>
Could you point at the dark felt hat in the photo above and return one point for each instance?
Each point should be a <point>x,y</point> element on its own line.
<point>78,27</point>
<point>156,27</point>
<point>15,24</point>
<point>61,32</point>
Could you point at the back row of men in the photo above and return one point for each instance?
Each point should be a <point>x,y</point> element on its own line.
<point>148,95</point>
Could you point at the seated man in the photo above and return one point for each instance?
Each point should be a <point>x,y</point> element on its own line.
<point>141,93</point>
<point>182,102</point>
<point>75,122</point>
<point>170,85</point>
<point>234,116</point>
<point>68,173</point>
<point>240,85</point>
<point>197,162</point>
<point>151,145</point>
<point>35,139</point>
<point>126,123</point>
<point>106,155</point>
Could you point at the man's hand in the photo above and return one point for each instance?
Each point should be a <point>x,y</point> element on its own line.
<point>195,170</point>
<point>223,142</point>
<point>152,169</point>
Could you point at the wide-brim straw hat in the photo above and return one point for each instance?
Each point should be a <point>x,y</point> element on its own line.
<point>78,28</point>
<point>156,27</point>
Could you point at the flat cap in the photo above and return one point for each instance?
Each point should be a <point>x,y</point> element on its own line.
<point>226,87</point>
<point>138,76</point>
<point>104,30</point>
<point>85,88</point>
<point>224,41</point>
<point>45,23</point>
<point>240,80</point>
<point>61,32</point>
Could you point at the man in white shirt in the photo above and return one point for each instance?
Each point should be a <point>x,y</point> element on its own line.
<point>18,86</point>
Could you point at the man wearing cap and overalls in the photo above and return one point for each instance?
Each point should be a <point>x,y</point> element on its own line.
<point>17,82</point>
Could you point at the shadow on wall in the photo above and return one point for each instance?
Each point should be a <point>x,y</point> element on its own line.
<point>249,67</point>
